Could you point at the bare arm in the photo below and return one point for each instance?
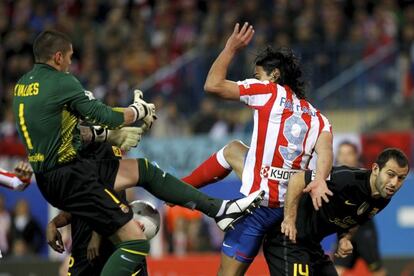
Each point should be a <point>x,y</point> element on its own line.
<point>86,134</point>
<point>62,219</point>
<point>129,116</point>
<point>344,243</point>
<point>349,234</point>
<point>53,236</point>
<point>216,82</point>
<point>92,250</point>
<point>293,195</point>
<point>325,155</point>
<point>318,188</point>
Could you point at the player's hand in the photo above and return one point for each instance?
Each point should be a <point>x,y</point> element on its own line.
<point>139,96</point>
<point>318,190</point>
<point>240,37</point>
<point>92,251</point>
<point>145,111</point>
<point>125,138</point>
<point>54,238</point>
<point>344,248</point>
<point>24,172</point>
<point>288,227</point>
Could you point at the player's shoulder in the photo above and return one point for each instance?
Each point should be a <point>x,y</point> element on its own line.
<point>65,76</point>
<point>349,176</point>
<point>67,80</point>
<point>316,110</point>
<point>248,83</point>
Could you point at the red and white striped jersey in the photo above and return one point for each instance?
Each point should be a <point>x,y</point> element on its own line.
<point>11,181</point>
<point>284,136</point>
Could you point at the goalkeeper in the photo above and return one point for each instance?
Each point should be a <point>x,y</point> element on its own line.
<point>48,104</point>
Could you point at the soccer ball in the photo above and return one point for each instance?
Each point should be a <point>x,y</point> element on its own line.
<point>147,217</point>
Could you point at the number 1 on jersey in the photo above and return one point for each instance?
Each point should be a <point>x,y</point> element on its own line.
<point>24,127</point>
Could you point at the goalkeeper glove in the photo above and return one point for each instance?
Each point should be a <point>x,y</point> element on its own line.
<point>125,138</point>
<point>141,106</point>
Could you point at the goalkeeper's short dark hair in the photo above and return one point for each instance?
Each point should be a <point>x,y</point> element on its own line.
<point>47,43</point>
<point>288,64</point>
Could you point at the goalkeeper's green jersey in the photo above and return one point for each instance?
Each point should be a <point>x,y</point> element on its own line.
<point>47,106</point>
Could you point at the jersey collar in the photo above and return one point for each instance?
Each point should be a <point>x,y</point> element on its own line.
<point>44,65</point>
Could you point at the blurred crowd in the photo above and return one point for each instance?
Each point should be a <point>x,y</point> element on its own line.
<point>21,236</point>
<point>120,43</point>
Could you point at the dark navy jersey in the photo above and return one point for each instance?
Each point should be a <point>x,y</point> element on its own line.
<point>352,204</point>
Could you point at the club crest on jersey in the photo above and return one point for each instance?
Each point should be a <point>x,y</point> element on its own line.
<point>117,151</point>
<point>362,208</point>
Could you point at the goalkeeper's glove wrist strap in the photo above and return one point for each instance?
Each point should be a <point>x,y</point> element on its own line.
<point>99,134</point>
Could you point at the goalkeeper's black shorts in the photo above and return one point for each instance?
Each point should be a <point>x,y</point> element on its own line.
<point>84,189</point>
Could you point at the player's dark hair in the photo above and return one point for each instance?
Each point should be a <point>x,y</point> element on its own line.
<point>392,153</point>
<point>288,64</point>
<point>349,143</point>
<point>47,43</point>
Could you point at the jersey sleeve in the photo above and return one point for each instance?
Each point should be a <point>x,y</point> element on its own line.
<point>255,93</point>
<point>309,176</point>
<point>84,103</point>
<point>325,125</point>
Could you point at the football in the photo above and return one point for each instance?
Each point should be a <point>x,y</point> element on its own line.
<point>147,217</point>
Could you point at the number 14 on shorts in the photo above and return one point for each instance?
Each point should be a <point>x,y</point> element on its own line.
<point>299,271</point>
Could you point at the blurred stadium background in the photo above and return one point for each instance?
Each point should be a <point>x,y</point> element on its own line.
<point>358,57</point>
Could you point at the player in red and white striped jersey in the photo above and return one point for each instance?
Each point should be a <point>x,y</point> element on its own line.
<point>19,180</point>
<point>287,130</point>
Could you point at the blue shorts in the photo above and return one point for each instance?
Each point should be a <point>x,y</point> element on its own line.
<point>243,242</point>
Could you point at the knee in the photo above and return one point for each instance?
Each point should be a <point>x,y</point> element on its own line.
<point>128,232</point>
<point>235,148</point>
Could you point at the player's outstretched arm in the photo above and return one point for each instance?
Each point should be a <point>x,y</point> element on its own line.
<point>318,188</point>
<point>293,195</point>
<point>216,82</point>
<point>53,236</point>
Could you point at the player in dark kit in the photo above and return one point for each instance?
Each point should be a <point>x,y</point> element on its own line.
<point>365,239</point>
<point>89,251</point>
<point>358,195</point>
<point>48,105</point>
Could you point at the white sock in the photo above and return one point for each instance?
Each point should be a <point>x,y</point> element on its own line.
<point>222,161</point>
